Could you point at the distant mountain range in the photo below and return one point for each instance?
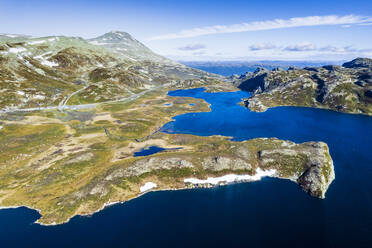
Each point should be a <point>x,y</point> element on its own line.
<point>228,68</point>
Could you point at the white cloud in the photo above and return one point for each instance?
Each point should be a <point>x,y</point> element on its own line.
<point>330,48</point>
<point>309,47</point>
<point>299,51</point>
<point>261,46</point>
<point>199,53</point>
<point>307,21</point>
<point>300,47</point>
<point>365,24</point>
<point>192,47</point>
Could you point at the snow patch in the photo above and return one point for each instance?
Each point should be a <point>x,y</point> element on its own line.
<point>287,144</point>
<point>98,43</point>
<point>148,186</point>
<point>230,178</point>
<point>49,63</point>
<point>52,39</point>
<point>17,49</point>
<point>38,97</point>
<point>21,93</point>
<point>1,127</point>
<point>26,62</point>
<point>42,55</point>
<point>11,35</point>
<point>36,42</point>
<point>117,33</point>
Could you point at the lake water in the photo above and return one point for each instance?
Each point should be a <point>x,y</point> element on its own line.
<point>267,213</point>
<point>148,151</point>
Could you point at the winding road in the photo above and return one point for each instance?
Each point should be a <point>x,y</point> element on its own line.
<point>63,104</point>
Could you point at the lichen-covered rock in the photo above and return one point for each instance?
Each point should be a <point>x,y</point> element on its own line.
<point>255,105</point>
<point>218,163</point>
<point>147,165</point>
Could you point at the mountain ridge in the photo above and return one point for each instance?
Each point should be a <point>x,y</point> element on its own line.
<point>123,43</point>
<point>42,71</point>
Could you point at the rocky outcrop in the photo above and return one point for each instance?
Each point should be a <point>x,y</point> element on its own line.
<point>147,165</point>
<point>359,63</point>
<point>314,181</point>
<point>219,163</point>
<point>319,172</point>
<point>255,105</point>
<point>308,164</point>
<point>253,82</point>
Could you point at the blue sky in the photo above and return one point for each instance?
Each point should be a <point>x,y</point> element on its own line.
<point>208,30</point>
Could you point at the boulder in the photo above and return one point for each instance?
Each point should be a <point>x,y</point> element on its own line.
<point>368,93</point>
<point>311,69</point>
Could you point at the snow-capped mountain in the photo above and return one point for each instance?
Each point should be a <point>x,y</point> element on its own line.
<point>127,46</point>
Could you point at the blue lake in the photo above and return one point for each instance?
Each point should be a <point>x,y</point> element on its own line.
<point>148,151</point>
<point>267,213</point>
